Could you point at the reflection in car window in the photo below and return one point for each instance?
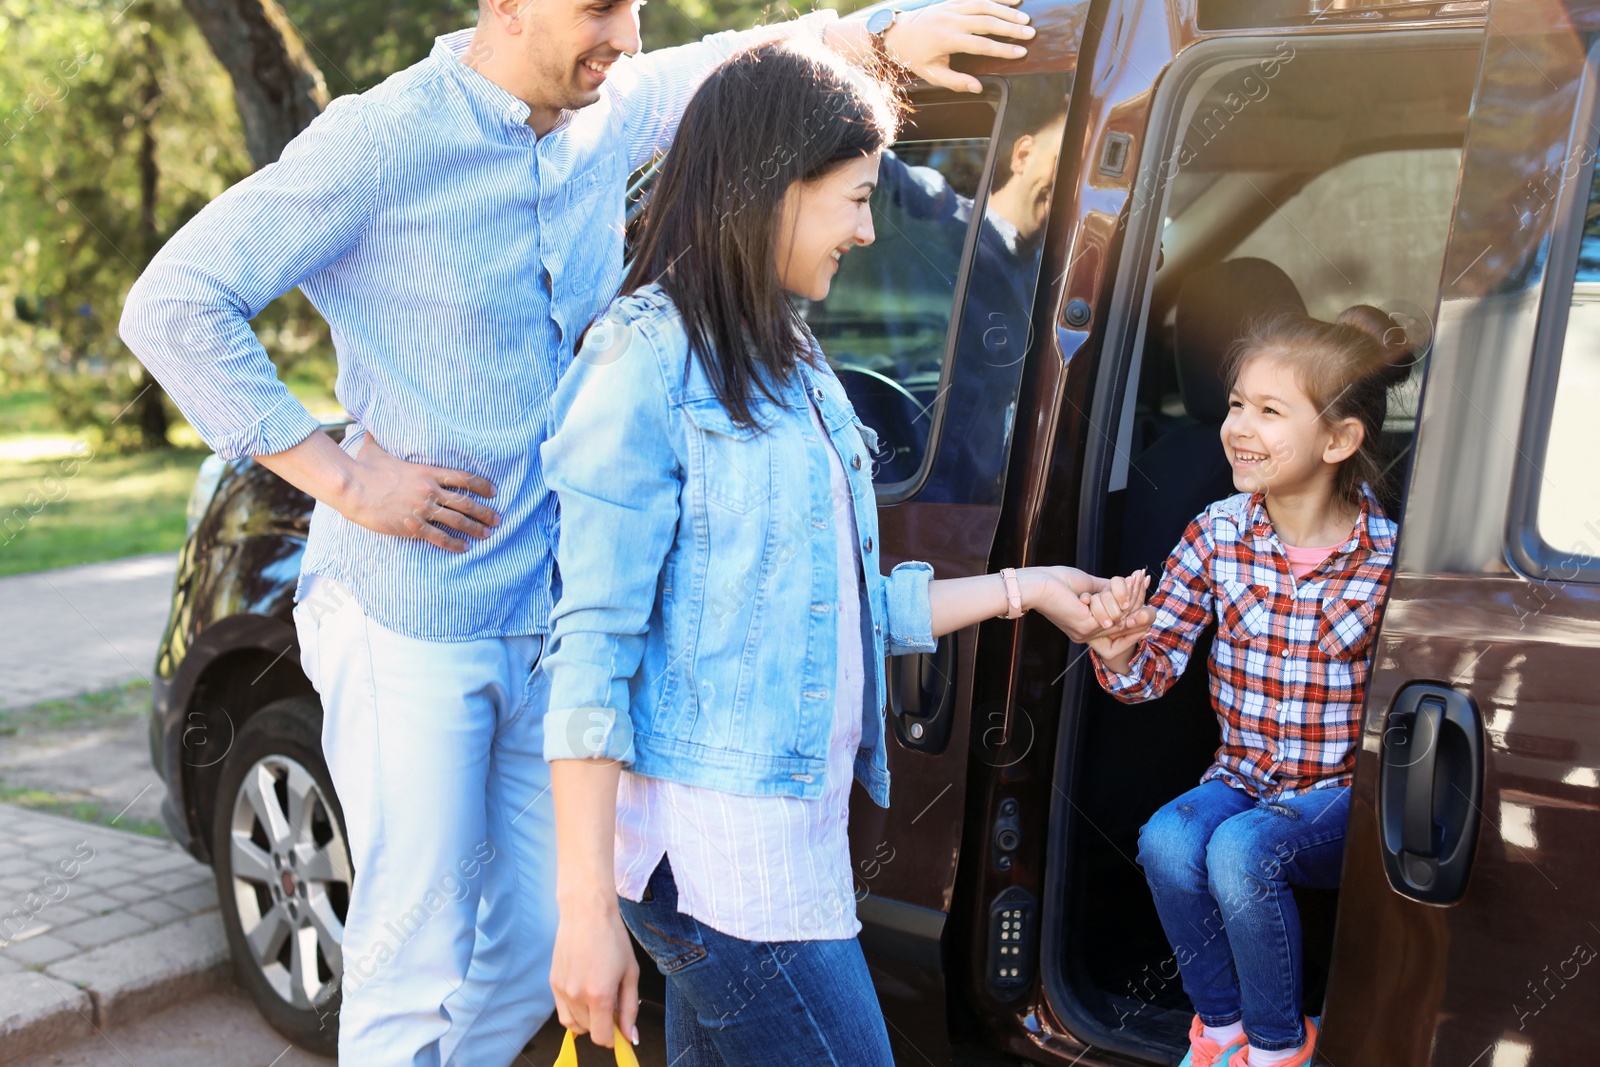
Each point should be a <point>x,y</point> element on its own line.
<point>886,321</point>
<point>1569,491</point>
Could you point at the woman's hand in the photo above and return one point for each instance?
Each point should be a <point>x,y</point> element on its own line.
<point>1082,605</point>
<point>594,974</point>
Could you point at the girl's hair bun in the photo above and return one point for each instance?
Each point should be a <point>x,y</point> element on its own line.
<point>1394,342</point>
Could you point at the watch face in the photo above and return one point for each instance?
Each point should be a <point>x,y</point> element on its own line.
<point>880,20</point>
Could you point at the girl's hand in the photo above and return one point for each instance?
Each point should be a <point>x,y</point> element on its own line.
<point>1116,650</point>
<point>1115,601</point>
<point>595,976</point>
<point>1122,600</point>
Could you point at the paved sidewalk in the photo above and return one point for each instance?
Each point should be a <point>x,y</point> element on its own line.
<point>97,927</point>
<point>81,629</point>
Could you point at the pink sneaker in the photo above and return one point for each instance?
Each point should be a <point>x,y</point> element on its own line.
<point>1204,1052</point>
<point>1242,1057</point>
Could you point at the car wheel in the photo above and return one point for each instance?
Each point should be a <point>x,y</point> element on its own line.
<point>283,871</point>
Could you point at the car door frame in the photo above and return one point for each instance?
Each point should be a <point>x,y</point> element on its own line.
<point>1418,982</point>
<point>907,856</point>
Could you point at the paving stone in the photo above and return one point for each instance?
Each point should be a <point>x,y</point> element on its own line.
<point>97,903</point>
<point>92,933</point>
<point>133,892</point>
<point>167,860</point>
<point>98,877</point>
<point>157,911</point>
<point>171,880</point>
<point>38,950</point>
<point>195,898</point>
<point>141,975</point>
<point>60,652</point>
<point>64,913</point>
<point>38,1012</point>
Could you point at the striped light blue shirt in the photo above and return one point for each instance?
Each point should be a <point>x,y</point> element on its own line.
<point>457,257</point>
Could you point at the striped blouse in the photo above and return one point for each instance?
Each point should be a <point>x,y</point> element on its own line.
<point>457,257</point>
<point>763,868</point>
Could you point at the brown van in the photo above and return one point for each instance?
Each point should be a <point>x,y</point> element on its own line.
<point>1061,264</point>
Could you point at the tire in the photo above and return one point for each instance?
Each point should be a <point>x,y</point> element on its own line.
<point>284,888</point>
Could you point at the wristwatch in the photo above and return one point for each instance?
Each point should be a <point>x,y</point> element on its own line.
<point>878,24</point>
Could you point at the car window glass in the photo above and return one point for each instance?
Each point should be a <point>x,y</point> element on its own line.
<point>1568,516</point>
<point>885,325</point>
<point>1370,230</point>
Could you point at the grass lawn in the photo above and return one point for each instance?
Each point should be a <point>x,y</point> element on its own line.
<point>108,507</point>
<point>63,503</point>
<point>126,704</point>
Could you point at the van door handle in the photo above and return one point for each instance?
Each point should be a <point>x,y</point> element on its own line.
<point>922,697</point>
<point>1430,791</point>
<point>1416,834</point>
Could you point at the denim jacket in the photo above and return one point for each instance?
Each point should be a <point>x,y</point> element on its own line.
<point>695,637</point>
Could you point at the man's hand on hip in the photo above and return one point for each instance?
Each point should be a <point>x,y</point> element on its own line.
<point>386,494</point>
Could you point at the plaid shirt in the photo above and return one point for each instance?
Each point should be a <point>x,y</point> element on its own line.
<point>1290,662</point>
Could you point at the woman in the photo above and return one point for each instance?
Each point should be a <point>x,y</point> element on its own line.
<point>723,620</point>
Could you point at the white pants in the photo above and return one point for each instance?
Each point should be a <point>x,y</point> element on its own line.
<point>436,752</point>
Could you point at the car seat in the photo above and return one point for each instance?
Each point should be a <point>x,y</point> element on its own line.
<point>1182,472</point>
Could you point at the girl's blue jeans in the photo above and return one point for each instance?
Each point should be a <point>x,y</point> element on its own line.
<point>732,1002</point>
<point>1220,865</point>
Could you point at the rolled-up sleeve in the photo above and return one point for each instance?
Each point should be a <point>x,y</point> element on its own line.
<point>909,610</point>
<point>188,316</point>
<point>613,466</point>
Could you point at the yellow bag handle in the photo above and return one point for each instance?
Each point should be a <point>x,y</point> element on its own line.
<point>624,1050</point>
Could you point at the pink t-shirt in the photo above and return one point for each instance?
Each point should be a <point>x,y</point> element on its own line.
<point>1303,560</point>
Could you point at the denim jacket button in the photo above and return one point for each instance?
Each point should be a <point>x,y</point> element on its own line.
<point>856,461</point>
<point>816,394</point>
<point>868,545</point>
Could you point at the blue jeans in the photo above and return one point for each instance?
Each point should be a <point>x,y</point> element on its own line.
<point>732,1002</point>
<point>1220,866</point>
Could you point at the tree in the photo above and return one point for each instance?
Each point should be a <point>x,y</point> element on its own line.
<point>126,129</point>
<point>277,89</point>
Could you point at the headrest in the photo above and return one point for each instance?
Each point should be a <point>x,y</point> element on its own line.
<point>1215,304</point>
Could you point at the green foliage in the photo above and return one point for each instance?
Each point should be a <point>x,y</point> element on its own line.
<point>86,506</point>
<point>120,127</point>
<point>117,125</point>
<point>358,43</point>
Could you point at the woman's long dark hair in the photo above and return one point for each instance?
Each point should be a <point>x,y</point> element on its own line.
<point>769,117</point>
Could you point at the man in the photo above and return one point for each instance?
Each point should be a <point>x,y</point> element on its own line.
<point>458,226</point>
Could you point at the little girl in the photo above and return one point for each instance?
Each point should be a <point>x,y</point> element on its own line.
<point>1294,569</point>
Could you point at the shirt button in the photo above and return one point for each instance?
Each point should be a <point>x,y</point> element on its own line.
<point>868,545</point>
<point>856,461</point>
<point>1286,653</point>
